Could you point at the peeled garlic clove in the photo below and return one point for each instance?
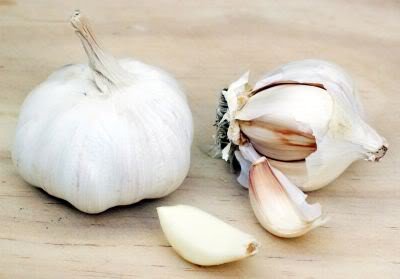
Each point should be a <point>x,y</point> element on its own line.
<point>203,239</point>
<point>280,207</point>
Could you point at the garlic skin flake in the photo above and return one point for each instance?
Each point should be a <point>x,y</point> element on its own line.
<point>280,207</point>
<point>108,133</point>
<point>306,118</point>
<point>203,239</point>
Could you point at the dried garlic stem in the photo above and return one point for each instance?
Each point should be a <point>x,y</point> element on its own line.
<point>107,72</point>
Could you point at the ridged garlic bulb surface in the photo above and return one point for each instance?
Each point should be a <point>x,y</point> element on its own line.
<point>108,133</point>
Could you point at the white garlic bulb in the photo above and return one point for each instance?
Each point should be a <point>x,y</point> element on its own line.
<point>306,118</point>
<point>109,133</point>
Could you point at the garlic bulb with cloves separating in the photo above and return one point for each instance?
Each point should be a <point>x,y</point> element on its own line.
<point>304,117</point>
<point>109,133</point>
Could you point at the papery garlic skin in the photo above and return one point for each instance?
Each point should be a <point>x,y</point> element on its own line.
<point>203,239</point>
<point>313,100</point>
<point>109,133</point>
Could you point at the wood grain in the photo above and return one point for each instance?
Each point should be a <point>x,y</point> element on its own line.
<point>205,44</point>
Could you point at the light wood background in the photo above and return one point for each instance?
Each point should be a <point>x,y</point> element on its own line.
<point>206,45</point>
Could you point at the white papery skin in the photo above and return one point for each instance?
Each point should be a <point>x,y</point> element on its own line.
<point>203,239</point>
<point>105,134</point>
<point>332,115</point>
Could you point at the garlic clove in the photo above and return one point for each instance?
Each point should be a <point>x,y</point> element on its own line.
<point>203,239</point>
<point>280,120</point>
<point>278,142</point>
<point>295,107</point>
<point>278,204</point>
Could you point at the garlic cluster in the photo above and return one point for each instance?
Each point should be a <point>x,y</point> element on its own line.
<point>109,133</point>
<point>305,121</point>
<point>306,118</point>
<point>203,239</point>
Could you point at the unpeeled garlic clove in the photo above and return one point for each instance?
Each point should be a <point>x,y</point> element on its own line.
<point>280,207</point>
<point>278,142</point>
<point>203,239</point>
<point>279,121</point>
<point>273,207</point>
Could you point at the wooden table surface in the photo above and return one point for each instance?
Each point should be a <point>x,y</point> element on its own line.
<point>206,45</point>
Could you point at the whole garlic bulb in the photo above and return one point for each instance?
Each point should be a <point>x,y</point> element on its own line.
<point>305,118</point>
<point>109,133</point>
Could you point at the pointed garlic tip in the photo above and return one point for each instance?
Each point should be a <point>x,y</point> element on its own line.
<point>203,239</point>
<point>279,206</point>
<point>379,154</point>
